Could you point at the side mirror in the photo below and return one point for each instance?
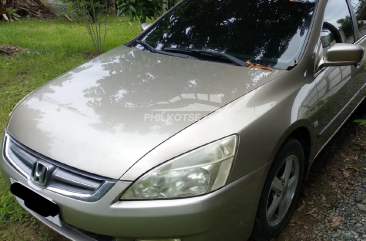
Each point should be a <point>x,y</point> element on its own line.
<point>145,26</point>
<point>342,55</point>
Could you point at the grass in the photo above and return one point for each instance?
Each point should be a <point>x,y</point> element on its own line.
<point>52,48</point>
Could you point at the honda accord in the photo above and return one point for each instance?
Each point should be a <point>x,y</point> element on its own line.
<point>202,128</point>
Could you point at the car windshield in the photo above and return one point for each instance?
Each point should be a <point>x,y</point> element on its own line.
<point>266,32</point>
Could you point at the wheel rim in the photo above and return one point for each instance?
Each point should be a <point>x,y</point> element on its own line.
<point>282,191</point>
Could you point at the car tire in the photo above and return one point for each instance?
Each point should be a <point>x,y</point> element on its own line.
<point>280,192</point>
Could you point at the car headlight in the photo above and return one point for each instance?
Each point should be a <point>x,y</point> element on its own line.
<point>198,172</point>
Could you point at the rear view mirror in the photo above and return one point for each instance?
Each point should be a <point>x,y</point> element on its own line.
<point>145,26</point>
<point>342,55</point>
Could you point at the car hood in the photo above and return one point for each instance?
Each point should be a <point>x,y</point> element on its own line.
<point>106,114</point>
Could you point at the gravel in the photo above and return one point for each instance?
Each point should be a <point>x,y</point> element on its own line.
<point>361,207</point>
<point>343,220</point>
<point>352,209</point>
<point>358,198</point>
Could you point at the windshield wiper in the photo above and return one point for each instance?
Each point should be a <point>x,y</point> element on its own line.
<point>222,55</point>
<point>147,46</point>
<point>210,53</point>
<point>153,50</point>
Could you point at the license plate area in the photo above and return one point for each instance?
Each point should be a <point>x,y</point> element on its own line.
<point>36,202</point>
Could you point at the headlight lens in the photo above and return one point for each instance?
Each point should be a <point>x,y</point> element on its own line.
<point>198,172</point>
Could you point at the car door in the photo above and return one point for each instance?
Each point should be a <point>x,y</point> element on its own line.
<point>338,87</point>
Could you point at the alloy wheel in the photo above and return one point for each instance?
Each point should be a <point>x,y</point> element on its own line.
<point>282,190</point>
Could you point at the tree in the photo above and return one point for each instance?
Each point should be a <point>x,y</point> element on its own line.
<point>171,3</point>
<point>140,9</point>
<point>94,13</point>
<point>346,26</point>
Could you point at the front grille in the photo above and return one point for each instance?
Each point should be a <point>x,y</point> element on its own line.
<point>60,178</point>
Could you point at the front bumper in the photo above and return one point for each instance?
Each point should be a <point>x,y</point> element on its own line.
<point>227,214</point>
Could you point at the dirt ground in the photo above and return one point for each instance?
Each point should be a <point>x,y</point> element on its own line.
<point>9,49</point>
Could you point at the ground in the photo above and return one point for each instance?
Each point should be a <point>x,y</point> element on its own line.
<point>331,200</point>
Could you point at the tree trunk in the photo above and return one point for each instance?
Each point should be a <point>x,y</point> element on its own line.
<point>113,7</point>
<point>1,7</point>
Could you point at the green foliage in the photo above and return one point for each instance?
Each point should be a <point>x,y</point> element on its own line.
<point>361,122</point>
<point>171,3</point>
<point>77,5</point>
<point>140,9</point>
<point>88,8</point>
<point>10,211</point>
<point>73,4</point>
<point>12,12</point>
<point>346,26</point>
<point>43,235</point>
<point>94,14</point>
<point>96,22</point>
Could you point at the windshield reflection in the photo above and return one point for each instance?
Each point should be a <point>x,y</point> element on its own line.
<point>266,32</point>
